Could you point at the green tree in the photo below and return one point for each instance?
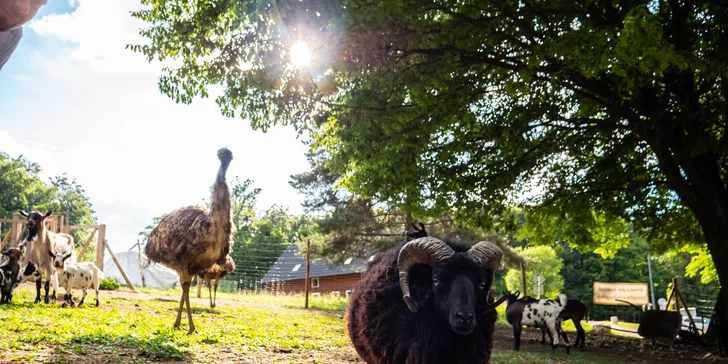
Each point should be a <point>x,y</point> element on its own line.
<point>538,260</point>
<point>22,188</point>
<point>613,109</point>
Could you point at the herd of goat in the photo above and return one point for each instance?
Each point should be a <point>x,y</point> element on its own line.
<point>51,256</point>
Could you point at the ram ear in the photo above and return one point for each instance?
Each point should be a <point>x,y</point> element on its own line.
<point>47,214</point>
<point>51,254</point>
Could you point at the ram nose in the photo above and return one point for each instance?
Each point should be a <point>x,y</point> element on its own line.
<point>463,322</point>
<point>57,265</point>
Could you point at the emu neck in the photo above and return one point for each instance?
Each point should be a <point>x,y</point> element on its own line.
<point>220,202</point>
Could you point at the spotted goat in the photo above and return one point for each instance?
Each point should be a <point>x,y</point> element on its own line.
<point>83,276</point>
<point>9,273</point>
<point>543,313</point>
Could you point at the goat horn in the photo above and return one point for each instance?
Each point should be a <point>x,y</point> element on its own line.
<point>487,254</point>
<point>427,250</point>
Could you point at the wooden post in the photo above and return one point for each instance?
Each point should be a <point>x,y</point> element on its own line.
<point>523,280</point>
<point>141,266</point>
<point>87,244</point>
<point>100,247</point>
<point>14,230</point>
<point>118,265</point>
<point>308,266</point>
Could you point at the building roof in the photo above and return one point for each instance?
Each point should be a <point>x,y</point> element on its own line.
<point>290,266</point>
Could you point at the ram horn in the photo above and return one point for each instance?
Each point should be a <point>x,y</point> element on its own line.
<point>487,254</point>
<point>427,250</point>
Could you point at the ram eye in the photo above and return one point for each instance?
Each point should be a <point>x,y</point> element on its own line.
<point>482,285</point>
<point>436,282</point>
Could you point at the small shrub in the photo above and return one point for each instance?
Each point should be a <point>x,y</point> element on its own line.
<point>109,284</point>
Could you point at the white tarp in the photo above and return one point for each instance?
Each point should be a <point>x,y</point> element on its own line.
<point>155,275</point>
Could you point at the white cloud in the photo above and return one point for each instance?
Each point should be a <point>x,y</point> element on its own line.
<point>105,123</point>
<point>99,30</point>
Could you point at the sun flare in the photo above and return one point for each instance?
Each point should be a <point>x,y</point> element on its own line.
<point>300,55</point>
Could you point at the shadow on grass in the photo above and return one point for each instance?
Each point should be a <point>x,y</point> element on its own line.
<point>161,346</point>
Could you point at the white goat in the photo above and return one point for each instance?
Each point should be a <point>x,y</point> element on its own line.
<point>81,276</point>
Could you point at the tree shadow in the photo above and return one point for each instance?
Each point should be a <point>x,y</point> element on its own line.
<point>120,348</point>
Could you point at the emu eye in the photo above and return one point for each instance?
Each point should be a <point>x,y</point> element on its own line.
<point>436,282</point>
<point>482,285</point>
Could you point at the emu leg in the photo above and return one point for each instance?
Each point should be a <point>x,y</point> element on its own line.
<point>517,336</point>
<point>37,289</point>
<point>186,288</point>
<point>209,290</point>
<point>178,321</point>
<point>216,282</point>
<point>199,286</point>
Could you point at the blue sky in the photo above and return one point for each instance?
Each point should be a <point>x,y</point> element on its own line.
<point>75,101</point>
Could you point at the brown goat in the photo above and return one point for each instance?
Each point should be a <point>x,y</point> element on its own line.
<point>41,242</point>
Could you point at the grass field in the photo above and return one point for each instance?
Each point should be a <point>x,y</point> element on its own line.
<point>248,328</point>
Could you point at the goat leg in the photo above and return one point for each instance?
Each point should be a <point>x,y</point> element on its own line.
<point>47,288</point>
<point>37,289</point>
<point>83,297</point>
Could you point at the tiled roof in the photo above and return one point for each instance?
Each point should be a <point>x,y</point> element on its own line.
<point>291,266</point>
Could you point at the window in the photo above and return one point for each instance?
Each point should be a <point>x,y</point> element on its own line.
<point>335,294</point>
<point>295,269</point>
<point>314,282</point>
<point>348,293</point>
<point>315,294</point>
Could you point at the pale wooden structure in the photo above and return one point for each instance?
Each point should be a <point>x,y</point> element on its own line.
<point>58,223</point>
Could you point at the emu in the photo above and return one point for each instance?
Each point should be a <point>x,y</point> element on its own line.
<point>41,242</point>
<point>426,301</point>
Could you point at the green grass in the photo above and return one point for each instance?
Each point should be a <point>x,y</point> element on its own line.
<point>138,328</point>
<point>142,330</point>
<point>523,357</point>
<point>324,302</point>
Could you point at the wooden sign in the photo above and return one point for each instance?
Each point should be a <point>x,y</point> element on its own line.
<point>609,293</point>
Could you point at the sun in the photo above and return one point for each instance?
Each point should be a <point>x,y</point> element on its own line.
<point>300,55</point>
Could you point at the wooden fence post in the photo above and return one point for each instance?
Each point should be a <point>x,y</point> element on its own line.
<point>308,266</point>
<point>14,230</point>
<point>523,279</point>
<point>100,247</point>
<point>141,266</point>
<point>118,265</point>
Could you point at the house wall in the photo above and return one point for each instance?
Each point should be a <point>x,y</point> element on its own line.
<point>327,285</point>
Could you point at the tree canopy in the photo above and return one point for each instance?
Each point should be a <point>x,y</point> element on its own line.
<point>23,188</point>
<point>590,111</point>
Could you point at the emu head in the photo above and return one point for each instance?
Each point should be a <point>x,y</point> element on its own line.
<point>225,155</point>
<point>59,259</point>
<point>456,283</point>
<point>13,254</point>
<point>35,218</point>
